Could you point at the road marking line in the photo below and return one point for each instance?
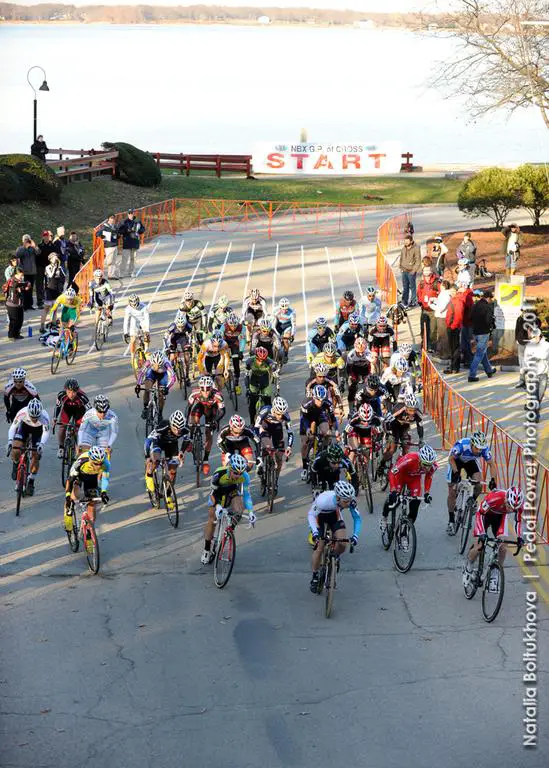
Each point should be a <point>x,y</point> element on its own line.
<point>274,278</point>
<point>248,275</point>
<point>304,296</point>
<point>356,270</point>
<point>331,277</point>
<point>219,279</point>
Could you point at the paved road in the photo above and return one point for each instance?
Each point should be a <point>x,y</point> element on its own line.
<point>149,664</point>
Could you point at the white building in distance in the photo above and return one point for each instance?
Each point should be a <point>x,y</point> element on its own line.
<point>263,20</point>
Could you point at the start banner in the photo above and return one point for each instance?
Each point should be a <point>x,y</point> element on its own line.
<point>358,159</point>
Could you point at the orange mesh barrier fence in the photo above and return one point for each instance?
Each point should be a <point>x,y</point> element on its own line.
<point>85,275</point>
<point>456,417</point>
<point>389,236</point>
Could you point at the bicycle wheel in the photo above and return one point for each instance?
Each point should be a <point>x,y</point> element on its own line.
<point>55,358</point>
<point>21,483</point>
<point>71,352</point>
<point>373,465</point>
<point>232,390</point>
<point>198,453</point>
<point>138,361</point>
<point>466,525</point>
<point>99,335</point>
<point>405,543</point>
<point>170,502</point>
<point>271,485</point>
<point>459,513</point>
<point>92,547</point>
<point>330,586</point>
<point>149,421</point>
<point>224,559</point>
<point>364,480</point>
<point>154,496</point>
<point>179,372</point>
<point>474,582</point>
<point>389,532</point>
<point>72,535</point>
<point>68,458</point>
<point>491,601</point>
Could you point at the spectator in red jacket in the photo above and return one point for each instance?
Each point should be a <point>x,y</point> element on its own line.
<point>427,291</point>
<point>466,336</point>
<point>454,322</point>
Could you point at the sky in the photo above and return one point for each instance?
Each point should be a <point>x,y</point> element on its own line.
<point>387,6</point>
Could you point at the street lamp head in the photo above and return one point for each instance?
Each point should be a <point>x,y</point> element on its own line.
<point>44,86</point>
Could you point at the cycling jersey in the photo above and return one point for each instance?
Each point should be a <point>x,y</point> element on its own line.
<point>270,340</point>
<point>381,339</point>
<point>70,308</point>
<point>396,384</point>
<point>15,399</point>
<point>231,443</point>
<point>101,293</point>
<point>194,310</point>
<point>328,475</point>
<point>317,341</point>
<point>336,364</point>
<point>218,316</point>
<point>23,426</point>
<point>285,320</point>
<point>225,486</point>
<point>136,318</point>
<point>358,365</point>
<point>311,413</point>
<point>209,404</point>
<point>463,452</point>
<point>255,307</point>
<point>370,310</point>
<point>234,337</point>
<point>347,336</point>
<point>65,408</point>
<point>95,430</point>
<point>364,398</point>
<point>267,425</point>
<point>326,504</point>
<point>166,377</point>
<point>402,419</point>
<point>333,390</point>
<point>210,360</point>
<point>88,475</point>
<point>259,374</point>
<point>356,427</point>
<point>492,512</point>
<point>408,471</point>
<point>175,337</point>
<point>163,439</point>
<point>343,311</point>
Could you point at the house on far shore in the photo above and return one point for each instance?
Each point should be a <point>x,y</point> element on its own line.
<point>263,20</point>
<point>365,24</point>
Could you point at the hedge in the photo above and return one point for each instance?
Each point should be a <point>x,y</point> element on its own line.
<point>134,166</point>
<point>36,180</point>
<point>11,186</point>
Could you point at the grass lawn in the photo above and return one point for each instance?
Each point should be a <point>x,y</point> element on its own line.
<point>84,204</point>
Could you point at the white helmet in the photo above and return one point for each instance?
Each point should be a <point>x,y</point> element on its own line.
<point>401,365</point>
<point>279,405</point>
<point>344,490</point>
<point>133,301</point>
<point>405,350</point>
<point>427,455</point>
<point>411,401</point>
<point>188,295</point>
<point>177,419</point>
<point>180,319</point>
<point>463,262</point>
<point>320,322</point>
<point>158,359</point>
<point>478,439</point>
<point>205,382</point>
<point>366,412</point>
<point>97,453</point>
<point>223,302</point>
<point>284,303</point>
<point>34,408</point>
<point>321,369</point>
<point>19,374</point>
<point>70,293</point>
<point>98,274</point>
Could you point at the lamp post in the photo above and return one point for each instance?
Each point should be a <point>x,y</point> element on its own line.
<point>43,87</point>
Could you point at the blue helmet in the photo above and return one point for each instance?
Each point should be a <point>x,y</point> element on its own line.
<point>320,392</point>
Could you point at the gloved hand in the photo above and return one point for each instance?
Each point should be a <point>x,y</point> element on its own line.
<point>126,338</point>
<point>492,483</point>
<point>39,449</point>
<point>354,540</point>
<point>483,538</point>
<point>427,498</point>
<point>164,391</point>
<point>241,355</point>
<point>104,497</point>
<point>316,538</point>
<point>8,448</point>
<point>8,418</point>
<point>251,519</point>
<point>520,541</point>
<point>146,337</point>
<point>137,389</point>
<point>67,501</point>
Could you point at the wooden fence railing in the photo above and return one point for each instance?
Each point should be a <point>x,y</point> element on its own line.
<point>86,165</point>
<point>219,163</point>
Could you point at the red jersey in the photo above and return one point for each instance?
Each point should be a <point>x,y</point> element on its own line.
<point>408,471</point>
<point>494,504</point>
<point>346,308</point>
<point>211,399</point>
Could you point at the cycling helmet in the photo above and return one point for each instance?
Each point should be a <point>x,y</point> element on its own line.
<point>284,303</point>
<point>217,336</point>
<point>180,319</point>
<point>236,423</point>
<point>34,408</point>
<point>463,262</point>
<point>101,403</point>
<point>280,405</point>
<point>411,401</point>
<point>371,289</point>
<point>188,295</point>
<point>72,384</point>
<point>372,381</point>
<point>334,453</point>
<point>348,295</point>
<point>321,369</point>
<point>401,365</point>
<point>344,490</point>
<point>19,374</point>
<point>223,302</point>
<point>360,345</point>
<point>158,359</point>
<point>320,392</point>
<point>238,463</point>
<point>261,353</point>
<point>177,419</point>
<point>365,412</point>
<point>478,439</point>
<point>514,497</point>
<point>264,325</point>
<point>320,322</point>
<point>205,382</point>
<point>406,350</point>
<point>354,318</point>
<point>381,321</point>
<point>70,293</point>
<point>254,294</point>
<point>427,455</point>
<point>97,453</point>
<point>233,319</point>
<point>329,349</point>
<point>133,301</point>
<point>98,274</point>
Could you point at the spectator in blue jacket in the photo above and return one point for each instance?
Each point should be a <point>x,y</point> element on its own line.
<point>130,231</point>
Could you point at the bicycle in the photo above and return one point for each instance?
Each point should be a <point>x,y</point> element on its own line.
<point>494,576</point>
<point>329,566</point>
<point>86,532</point>
<point>180,367</point>
<point>23,471</point>
<point>269,478</point>
<point>382,472</point>
<point>164,490</point>
<point>102,327</point>
<point>65,348</point>
<point>69,449</point>
<point>152,418</point>
<point>363,458</point>
<point>197,438</point>
<point>231,389</point>
<point>224,544</point>
<point>464,511</point>
<point>139,356</point>
<point>402,533</point>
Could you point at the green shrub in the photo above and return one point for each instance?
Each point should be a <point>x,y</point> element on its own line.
<point>11,188</point>
<point>492,192</point>
<point>135,166</point>
<point>37,181</point>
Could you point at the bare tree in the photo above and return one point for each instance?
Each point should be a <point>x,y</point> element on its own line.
<point>501,62</point>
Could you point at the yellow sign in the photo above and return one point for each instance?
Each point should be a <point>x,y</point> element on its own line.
<point>510,295</point>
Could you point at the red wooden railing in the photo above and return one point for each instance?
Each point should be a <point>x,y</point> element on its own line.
<point>185,163</point>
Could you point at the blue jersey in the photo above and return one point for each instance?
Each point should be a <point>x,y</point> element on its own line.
<point>463,452</point>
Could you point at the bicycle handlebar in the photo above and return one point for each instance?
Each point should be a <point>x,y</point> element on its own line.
<point>506,541</point>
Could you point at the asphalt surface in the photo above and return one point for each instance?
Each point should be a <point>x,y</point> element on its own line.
<point>148,663</point>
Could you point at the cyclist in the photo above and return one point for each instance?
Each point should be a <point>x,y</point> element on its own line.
<point>410,355</point>
<point>370,307</point>
<point>357,368</point>
<point>326,511</point>
<point>284,323</point>
<point>214,359</point>
<point>253,308</point>
<point>18,393</point>
<point>317,416</point>
<point>84,474</point>
<point>99,426</point>
<point>156,369</point>
<point>329,465</point>
<point>261,380</point>
<point>206,401</point>
<point>231,489</point>
<point>318,338</point>
<point>136,318</point>
<point>347,306</point>
<point>466,455</point>
<point>177,340</point>
<point>381,339</point>
<point>236,437</point>
<point>233,334</point>
<point>101,295</point>
<point>408,472</point>
<point>399,421</point>
<point>361,430</point>
<point>196,314</point>
<point>31,422</point>
<point>265,335</point>
<point>348,333</point>
<point>72,403</point>
<point>70,304</point>
<point>336,364</point>
<point>269,425</point>
<point>372,393</point>
<point>492,513</point>
<point>396,378</point>
<point>320,377</point>
<point>219,313</point>
<point>165,440</point>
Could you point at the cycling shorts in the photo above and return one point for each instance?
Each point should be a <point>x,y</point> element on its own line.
<point>211,362</point>
<point>384,350</point>
<point>68,314</point>
<point>25,430</point>
<point>471,468</point>
<point>330,520</point>
<point>90,436</point>
<point>106,301</point>
<point>282,328</point>
<point>87,482</point>
<point>64,418</point>
<point>492,521</point>
<point>253,314</point>
<point>362,439</point>
<point>223,496</point>
<point>153,376</point>
<point>305,424</point>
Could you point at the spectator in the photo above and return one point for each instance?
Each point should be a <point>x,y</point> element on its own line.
<point>462,271</point>
<point>483,323</point>
<point>14,291</point>
<point>26,257</point>
<point>10,269</point>
<point>536,363</point>
<point>439,252</point>
<point>109,235</point>
<point>55,282</point>
<point>427,292</point>
<point>130,230</point>
<point>39,148</point>
<point>466,337</point>
<point>440,306</point>
<point>512,249</point>
<point>60,242</point>
<point>410,264</point>
<point>454,321</point>
<point>467,249</point>
<point>44,249</point>
<point>524,325</point>
<point>426,261</point>
<point>75,256</point>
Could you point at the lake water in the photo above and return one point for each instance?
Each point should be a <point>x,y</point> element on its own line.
<point>221,88</point>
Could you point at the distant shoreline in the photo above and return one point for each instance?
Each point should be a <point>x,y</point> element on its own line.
<point>207,23</point>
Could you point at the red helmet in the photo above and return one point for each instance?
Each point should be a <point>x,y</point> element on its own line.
<point>261,353</point>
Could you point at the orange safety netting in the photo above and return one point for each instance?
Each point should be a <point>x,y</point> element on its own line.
<point>389,236</point>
